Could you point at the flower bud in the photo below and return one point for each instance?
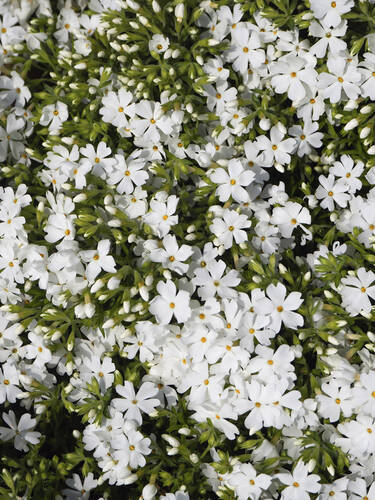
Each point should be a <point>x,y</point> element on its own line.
<point>351,124</point>
<point>179,12</point>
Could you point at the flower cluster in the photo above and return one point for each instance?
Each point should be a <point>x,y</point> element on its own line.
<point>187,249</point>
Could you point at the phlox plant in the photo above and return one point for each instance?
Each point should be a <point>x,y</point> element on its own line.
<point>187,249</point>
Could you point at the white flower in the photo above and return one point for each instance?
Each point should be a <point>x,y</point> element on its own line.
<point>117,107</point>
<point>131,404</point>
<point>329,38</point>
<point>153,122</point>
<point>128,173</point>
<point>221,98</point>
<point>245,49</point>
<point>211,280</point>
<point>232,182</point>
<point>171,256</point>
<point>330,12</point>
<point>79,490</point>
<point>170,303</point>
<point>276,149</point>
<point>15,91</point>
<point>299,483</point>
<point>54,115</point>
<point>158,43</point>
<point>281,307</point>
<point>21,432</point>
<point>331,191</point>
<point>133,446</point>
<point>337,489</point>
<point>9,382</point>
<point>160,217</point>
<point>289,217</point>
<point>348,172</point>
<point>357,291</point>
<point>247,482</point>
<point>230,226</point>
<point>334,401</point>
<point>292,76</point>
<point>98,260</point>
<point>341,77</point>
<point>306,137</point>
<point>10,33</point>
<point>367,69</point>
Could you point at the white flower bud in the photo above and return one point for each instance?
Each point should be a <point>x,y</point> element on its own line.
<point>307,276</point>
<point>149,492</point>
<point>40,409</point>
<point>144,20</point>
<point>109,323</point>
<point>113,283</point>
<point>80,198</point>
<point>331,470</point>
<point>179,12</point>
<point>56,336</point>
<point>171,440</point>
<point>172,451</point>
<point>97,285</point>
<point>350,106</point>
<point>184,431</point>
<point>282,269</point>
<point>371,151</point>
<point>199,60</point>
<point>333,217</point>
<point>190,237</point>
<point>167,274</point>
<point>364,132</point>
<point>366,109</point>
<point>131,479</point>
<point>330,351</point>
<point>156,7</point>
<point>194,458</point>
<point>115,223</point>
<point>351,124</point>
